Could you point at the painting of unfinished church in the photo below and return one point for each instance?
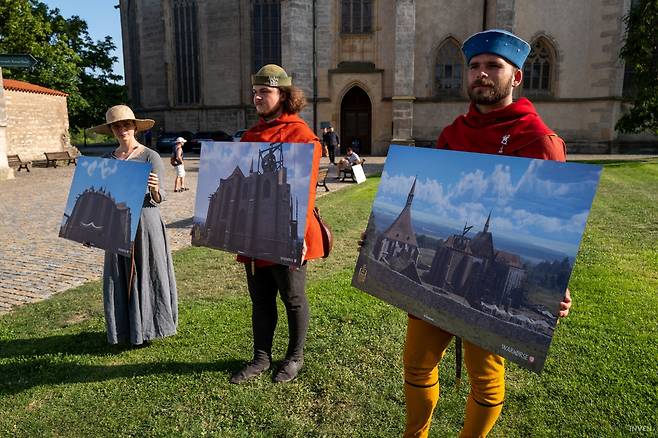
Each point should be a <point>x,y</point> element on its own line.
<point>104,203</point>
<point>252,199</point>
<point>480,245</point>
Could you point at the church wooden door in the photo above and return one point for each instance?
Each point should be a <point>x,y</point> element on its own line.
<point>356,121</point>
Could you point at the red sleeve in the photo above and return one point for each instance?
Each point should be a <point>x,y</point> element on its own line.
<point>546,147</point>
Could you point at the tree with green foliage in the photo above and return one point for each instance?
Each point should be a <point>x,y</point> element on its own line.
<point>69,60</point>
<point>640,51</point>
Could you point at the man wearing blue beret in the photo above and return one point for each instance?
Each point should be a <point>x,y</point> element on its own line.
<point>494,124</point>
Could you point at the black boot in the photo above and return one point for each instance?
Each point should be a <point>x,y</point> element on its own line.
<point>288,370</point>
<point>252,369</point>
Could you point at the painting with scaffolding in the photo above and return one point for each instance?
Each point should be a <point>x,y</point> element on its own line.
<point>252,199</point>
<point>480,245</point>
<point>104,203</point>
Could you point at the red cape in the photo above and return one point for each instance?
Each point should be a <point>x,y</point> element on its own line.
<point>505,131</point>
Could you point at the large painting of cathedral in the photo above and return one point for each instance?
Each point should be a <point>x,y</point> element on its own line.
<point>480,245</point>
<point>104,203</point>
<point>252,199</point>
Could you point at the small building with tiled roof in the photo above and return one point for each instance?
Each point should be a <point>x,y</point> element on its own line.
<point>37,119</point>
<point>15,85</point>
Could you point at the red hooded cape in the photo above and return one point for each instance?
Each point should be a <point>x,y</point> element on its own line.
<point>515,130</point>
<point>290,128</point>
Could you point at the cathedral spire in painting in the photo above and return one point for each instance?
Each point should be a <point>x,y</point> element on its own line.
<point>401,229</point>
<point>397,245</point>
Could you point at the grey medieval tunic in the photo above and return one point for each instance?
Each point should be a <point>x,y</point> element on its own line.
<point>150,309</point>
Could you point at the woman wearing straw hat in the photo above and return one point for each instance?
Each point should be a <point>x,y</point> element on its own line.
<point>139,292</point>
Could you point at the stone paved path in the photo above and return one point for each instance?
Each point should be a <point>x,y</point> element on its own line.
<point>35,263</point>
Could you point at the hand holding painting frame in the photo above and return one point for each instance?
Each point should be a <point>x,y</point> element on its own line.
<point>479,245</point>
<point>252,199</point>
<point>105,203</point>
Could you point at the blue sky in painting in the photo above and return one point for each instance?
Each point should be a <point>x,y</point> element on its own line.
<point>219,159</point>
<point>545,203</point>
<point>124,180</point>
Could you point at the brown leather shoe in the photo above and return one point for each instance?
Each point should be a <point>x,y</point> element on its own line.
<point>251,370</point>
<point>288,370</point>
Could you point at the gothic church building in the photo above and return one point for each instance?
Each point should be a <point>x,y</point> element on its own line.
<point>382,71</point>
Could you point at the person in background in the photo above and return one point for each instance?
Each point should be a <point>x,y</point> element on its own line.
<point>332,142</point>
<point>139,292</point>
<point>350,160</point>
<point>179,165</point>
<point>278,104</point>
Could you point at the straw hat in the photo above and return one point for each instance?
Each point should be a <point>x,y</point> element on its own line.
<point>118,113</point>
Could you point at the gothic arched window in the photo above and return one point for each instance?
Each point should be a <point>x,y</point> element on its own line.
<point>629,87</point>
<point>187,51</point>
<point>538,69</point>
<point>356,16</point>
<point>265,33</point>
<point>448,69</point>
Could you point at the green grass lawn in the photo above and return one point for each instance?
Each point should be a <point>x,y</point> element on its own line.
<point>58,376</point>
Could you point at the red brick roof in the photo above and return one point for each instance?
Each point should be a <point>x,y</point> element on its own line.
<point>14,85</point>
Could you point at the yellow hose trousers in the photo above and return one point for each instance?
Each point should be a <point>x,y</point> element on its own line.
<point>424,348</point>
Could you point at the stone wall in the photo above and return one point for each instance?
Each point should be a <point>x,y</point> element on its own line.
<point>36,123</point>
<point>5,171</point>
<point>297,49</point>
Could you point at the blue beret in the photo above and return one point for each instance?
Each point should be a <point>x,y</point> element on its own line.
<point>498,42</point>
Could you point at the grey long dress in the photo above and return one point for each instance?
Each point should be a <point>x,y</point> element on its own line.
<point>150,309</point>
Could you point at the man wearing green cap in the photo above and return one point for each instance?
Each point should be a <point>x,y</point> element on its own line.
<point>277,104</point>
<point>494,124</point>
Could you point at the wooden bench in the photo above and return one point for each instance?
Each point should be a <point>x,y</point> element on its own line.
<point>53,157</point>
<point>322,179</point>
<point>15,161</point>
<point>348,172</point>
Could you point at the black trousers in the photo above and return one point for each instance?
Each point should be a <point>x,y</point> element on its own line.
<point>332,152</point>
<point>263,288</point>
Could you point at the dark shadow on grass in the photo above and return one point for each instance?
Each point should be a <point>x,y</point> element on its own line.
<point>32,365</point>
<point>85,343</point>
<point>20,376</point>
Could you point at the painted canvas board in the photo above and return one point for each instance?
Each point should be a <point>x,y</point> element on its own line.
<point>252,199</point>
<point>104,203</point>
<point>480,245</point>
<point>359,174</point>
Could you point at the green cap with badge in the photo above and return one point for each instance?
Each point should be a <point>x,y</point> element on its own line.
<point>271,75</point>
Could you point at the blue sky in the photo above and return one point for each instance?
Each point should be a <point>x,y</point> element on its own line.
<point>102,19</point>
<point>542,202</point>
<point>218,160</point>
<point>124,180</point>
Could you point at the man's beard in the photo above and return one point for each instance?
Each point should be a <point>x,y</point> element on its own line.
<point>267,115</point>
<point>491,95</point>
